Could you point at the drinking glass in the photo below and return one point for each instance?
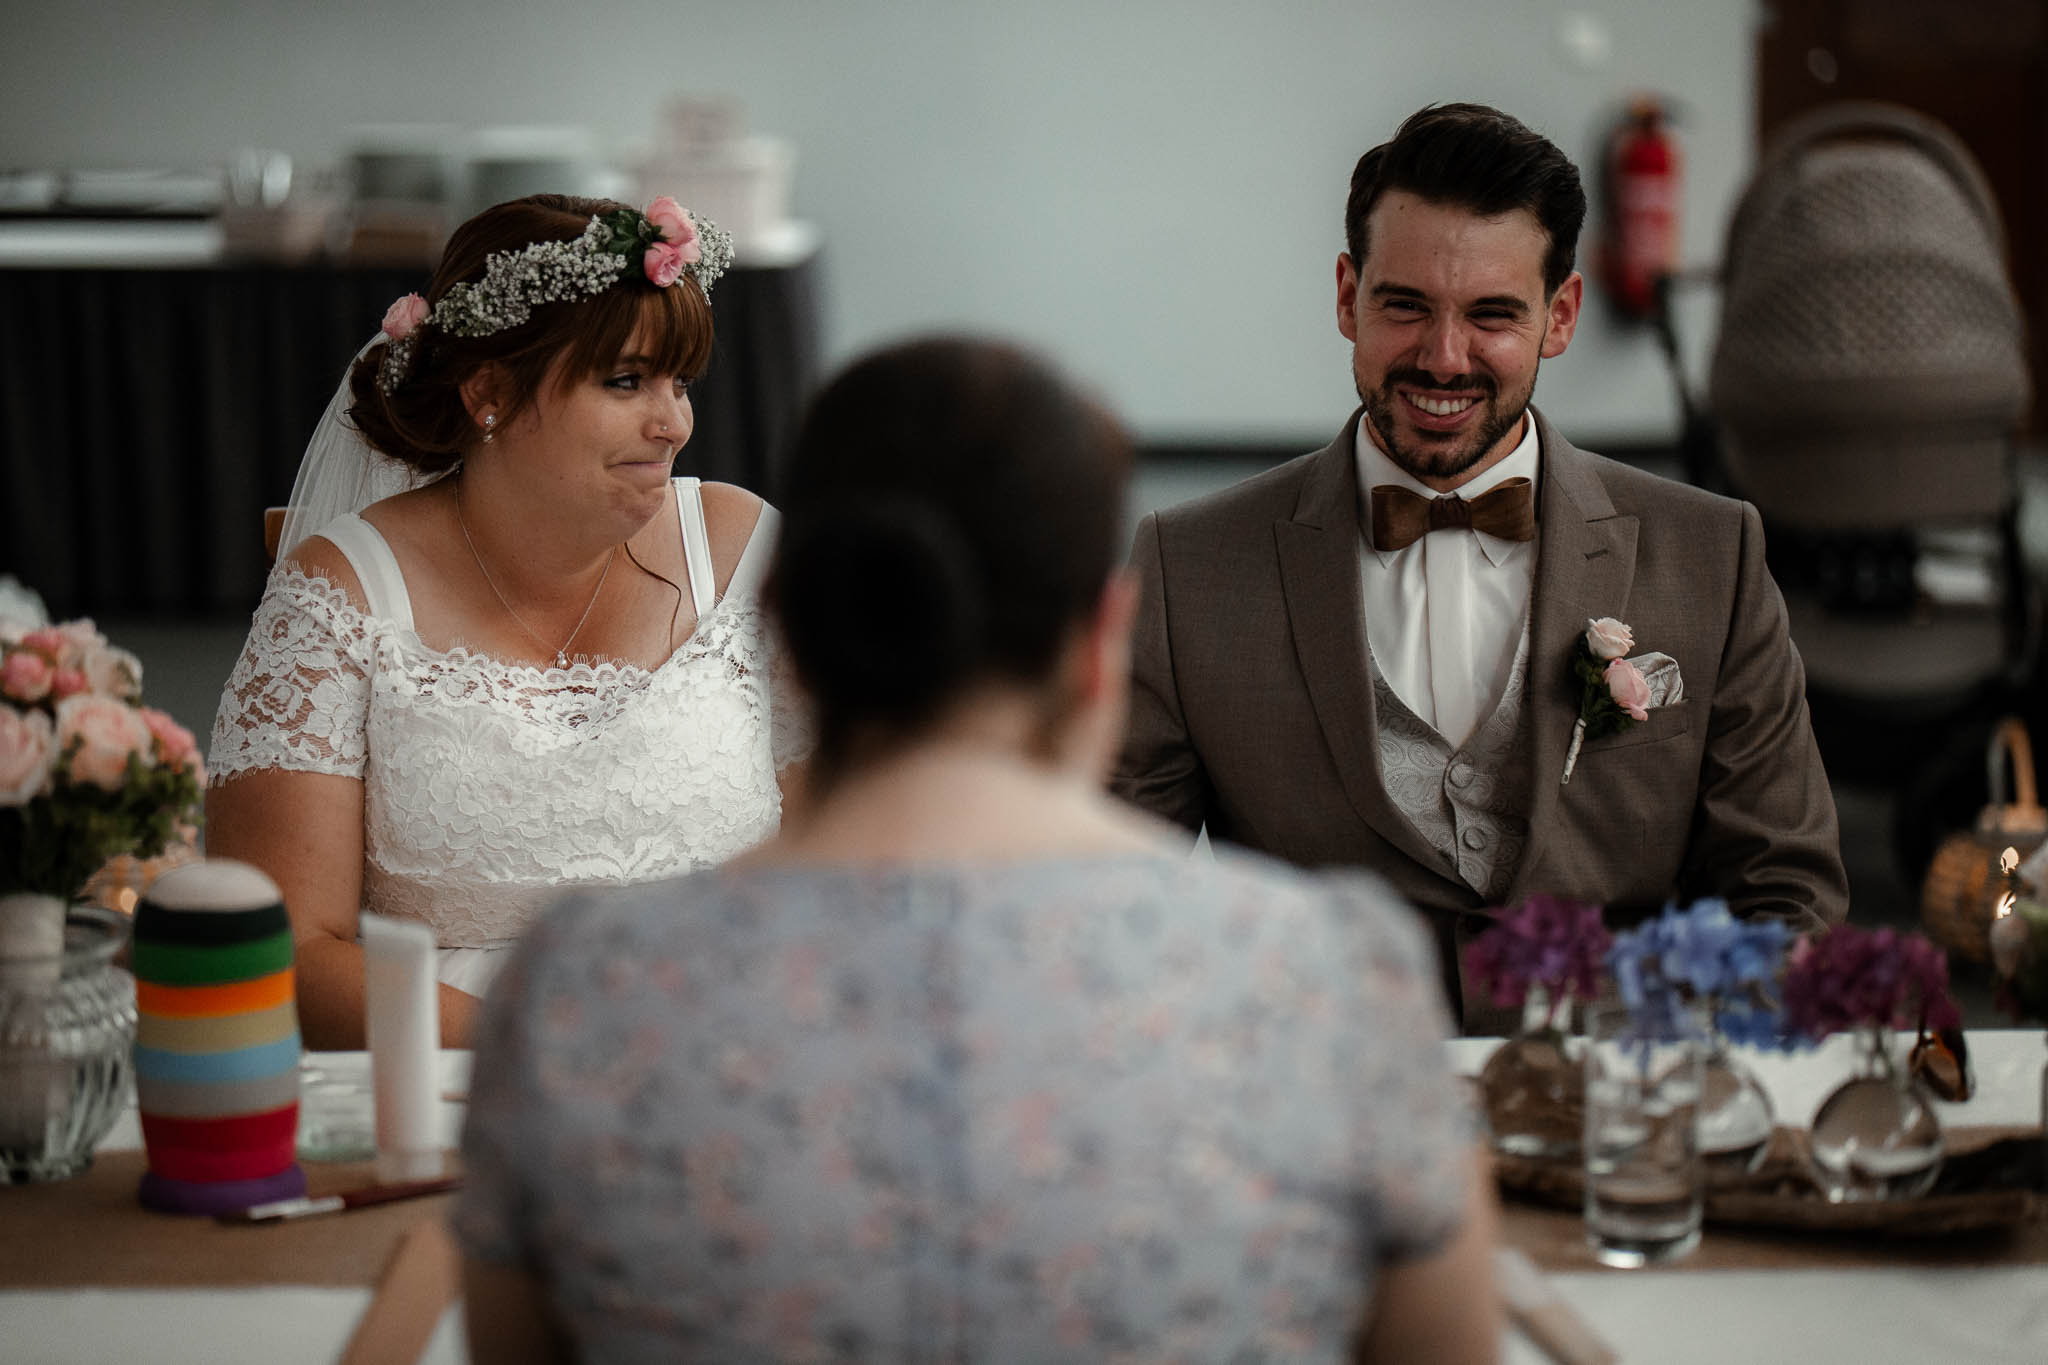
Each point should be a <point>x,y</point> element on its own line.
<point>1644,1176</point>
<point>337,1113</point>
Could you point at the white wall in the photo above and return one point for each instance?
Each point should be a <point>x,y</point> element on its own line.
<point>1153,190</point>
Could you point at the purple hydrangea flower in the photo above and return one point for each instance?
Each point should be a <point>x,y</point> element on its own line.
<point>1867,978</point>
<point>1545,941</point>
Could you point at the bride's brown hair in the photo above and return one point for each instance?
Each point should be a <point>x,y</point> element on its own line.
<point>423,422</point>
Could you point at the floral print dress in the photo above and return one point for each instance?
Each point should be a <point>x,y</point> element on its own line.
<point>1121,1107</point>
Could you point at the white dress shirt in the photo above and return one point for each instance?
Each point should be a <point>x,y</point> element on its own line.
<point>1443,616</point>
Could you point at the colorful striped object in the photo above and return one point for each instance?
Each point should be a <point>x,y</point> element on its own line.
<point>216,1041</point>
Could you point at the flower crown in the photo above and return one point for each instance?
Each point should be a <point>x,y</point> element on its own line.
<point>667,241</point>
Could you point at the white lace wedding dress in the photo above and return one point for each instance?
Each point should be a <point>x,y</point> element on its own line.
<point>490,786</point>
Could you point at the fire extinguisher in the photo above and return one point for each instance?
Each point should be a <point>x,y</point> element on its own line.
<point>1640,246</point>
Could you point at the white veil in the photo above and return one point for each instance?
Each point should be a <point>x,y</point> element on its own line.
<point>340,472</point>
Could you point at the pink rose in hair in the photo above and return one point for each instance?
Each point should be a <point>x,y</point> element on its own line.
<point>28,749</point>
<point>663,264</point>
<point>404,317</point>
<point>678,229</point>
<point>175,747</point>
<point>668,216</point>
<point>26,676</point>
<point>69,682</point>
<point>1628,688</point>
<point>1608,638</point>
<point>100,734</point>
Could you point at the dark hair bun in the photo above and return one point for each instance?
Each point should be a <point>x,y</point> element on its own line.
<point>883,603</point>
<point>950,512</point>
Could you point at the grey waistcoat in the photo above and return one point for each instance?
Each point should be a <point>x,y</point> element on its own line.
<point>1471,803</point>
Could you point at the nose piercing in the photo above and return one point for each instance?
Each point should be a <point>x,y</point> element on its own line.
<point>664,428</point>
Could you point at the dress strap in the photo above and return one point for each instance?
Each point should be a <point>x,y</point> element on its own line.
<point>376,568</point>
<point>696,545</point>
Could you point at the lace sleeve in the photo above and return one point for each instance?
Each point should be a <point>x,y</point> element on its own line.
<point>298,698</point>
<point>792,722</point>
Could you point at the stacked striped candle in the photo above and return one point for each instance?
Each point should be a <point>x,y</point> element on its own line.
<point>216,1040</point>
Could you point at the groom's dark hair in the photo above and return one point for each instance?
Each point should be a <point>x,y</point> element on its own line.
<point>1476,158</point>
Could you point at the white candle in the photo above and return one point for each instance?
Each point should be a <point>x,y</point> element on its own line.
<point>405,1039</point>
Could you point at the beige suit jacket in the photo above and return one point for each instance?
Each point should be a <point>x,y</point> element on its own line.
<point>1252,707</point>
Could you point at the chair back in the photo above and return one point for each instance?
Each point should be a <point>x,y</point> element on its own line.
<point>273,531</point>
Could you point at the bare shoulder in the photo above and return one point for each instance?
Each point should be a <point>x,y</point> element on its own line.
<point>418,517</point>
<point>730,515</point>
<point>319,557</point>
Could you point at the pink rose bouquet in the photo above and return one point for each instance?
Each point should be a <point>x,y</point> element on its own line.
<point>86,772</point>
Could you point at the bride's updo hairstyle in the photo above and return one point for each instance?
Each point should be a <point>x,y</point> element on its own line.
<point>422,421</point>
<point>951,512</point>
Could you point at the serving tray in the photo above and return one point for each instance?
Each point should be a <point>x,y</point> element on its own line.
<point>1992,1178</point>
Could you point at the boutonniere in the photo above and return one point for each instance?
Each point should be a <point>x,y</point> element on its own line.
<point>1616,691</point>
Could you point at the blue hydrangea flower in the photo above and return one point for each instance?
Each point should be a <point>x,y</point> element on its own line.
<point>1704,953</point>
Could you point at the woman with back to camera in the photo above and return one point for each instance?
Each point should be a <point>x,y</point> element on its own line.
<point>974,1064</point>
<point>541,661</point>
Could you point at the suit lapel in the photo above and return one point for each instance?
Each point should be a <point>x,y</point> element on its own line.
<point>1319,576</point>
<point>1585,566</point>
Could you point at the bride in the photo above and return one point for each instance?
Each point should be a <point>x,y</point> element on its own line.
<point>541,661</point>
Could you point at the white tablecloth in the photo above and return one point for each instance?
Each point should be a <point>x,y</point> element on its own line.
<point>1676,1316</point>
<point>1984,1316</point>
<point>289,1325</point>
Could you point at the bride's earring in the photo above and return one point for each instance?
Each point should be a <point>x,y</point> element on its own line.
<point>490,421</point>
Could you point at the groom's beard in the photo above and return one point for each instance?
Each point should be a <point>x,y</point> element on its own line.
<point>1428,455</point>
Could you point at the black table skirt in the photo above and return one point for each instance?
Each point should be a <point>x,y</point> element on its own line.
<point>147,417</point>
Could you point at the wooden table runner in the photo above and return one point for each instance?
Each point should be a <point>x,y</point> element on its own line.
<point>89,1232</point>
<point>1555,1239</point>
<point>1754,1230</point>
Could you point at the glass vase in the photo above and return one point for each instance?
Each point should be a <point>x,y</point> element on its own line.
<point>1735,1117</point>
<point>1877,1136</point>
<point>67,1034</point>
<point>1534,1089</point>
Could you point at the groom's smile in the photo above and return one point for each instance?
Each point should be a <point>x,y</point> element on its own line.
<point>1449,320</point>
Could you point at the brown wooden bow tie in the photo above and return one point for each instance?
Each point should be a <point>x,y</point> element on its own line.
<point>1400,518</point>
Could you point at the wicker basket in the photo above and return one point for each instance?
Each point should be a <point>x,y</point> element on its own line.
<point>1962,883</point>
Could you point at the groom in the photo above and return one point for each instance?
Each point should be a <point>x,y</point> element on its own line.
<point>1365,656</point>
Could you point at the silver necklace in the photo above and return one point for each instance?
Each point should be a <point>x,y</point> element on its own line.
<point>561,653</point>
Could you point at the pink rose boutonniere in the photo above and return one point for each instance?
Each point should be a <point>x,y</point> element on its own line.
<point>1615,691</point>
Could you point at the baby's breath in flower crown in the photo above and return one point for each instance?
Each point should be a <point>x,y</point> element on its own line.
<point>666,242</point>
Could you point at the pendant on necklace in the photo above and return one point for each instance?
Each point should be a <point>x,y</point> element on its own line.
<point>561,659</point>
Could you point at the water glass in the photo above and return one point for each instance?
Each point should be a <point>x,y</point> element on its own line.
<point>337,1112</point>
<point>1644,1176</point>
